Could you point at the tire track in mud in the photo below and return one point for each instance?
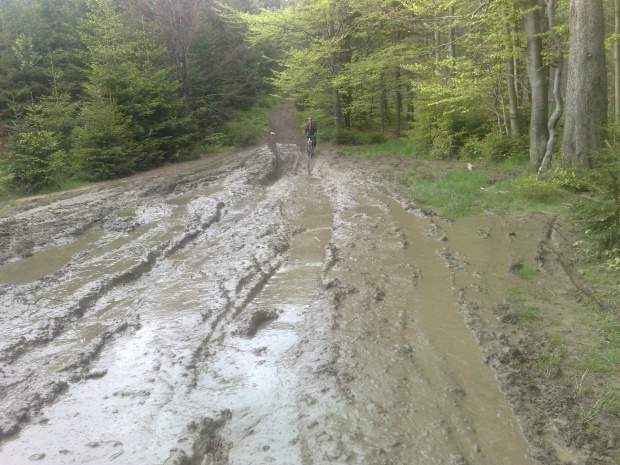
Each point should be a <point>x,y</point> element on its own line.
<point>306,325</point>
<point>382,273</point>
<point>56,325</point>
<point>16,413</point>
<point>241,291</point>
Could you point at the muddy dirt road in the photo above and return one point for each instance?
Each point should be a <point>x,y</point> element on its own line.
<point>255,307</point>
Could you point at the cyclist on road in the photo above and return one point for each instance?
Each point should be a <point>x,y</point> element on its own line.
<point>311,132</point>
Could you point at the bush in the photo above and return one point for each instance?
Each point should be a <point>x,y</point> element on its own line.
<point>536,190</point>
<point>349,137</point>
<point>572,178</point>
<point>599,211</point>
<point>447,133</point>
<point>103,146</point>
<point>493,147</point>
<point>247,127</point>
<point>39,145</point>
<point>379,138</point>
<point>244,130</point>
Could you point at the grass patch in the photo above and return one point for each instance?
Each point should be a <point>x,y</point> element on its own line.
<point>610,327</point>
<point>551,359</point>
<point>515,295</point>
<point>454,194</point>
<point>605,402</point>
<point>556,339</point>
<point>528,313</point>
<point>126,213</point>
<point>523,270</point>
<point>603,359</point>
<point>7,207</point>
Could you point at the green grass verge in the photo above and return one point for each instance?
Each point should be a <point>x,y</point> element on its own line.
<point>454,194</point>
<point>455,190</point>
<point>126,213</point>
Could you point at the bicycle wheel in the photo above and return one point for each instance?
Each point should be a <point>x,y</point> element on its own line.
<point>309,148</point>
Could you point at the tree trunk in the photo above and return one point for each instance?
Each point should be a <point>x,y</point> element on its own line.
<point>557,90</point>
<point>586,91</point>
<point>334,65</point>
<point>337,107</point>
<point>437,45</point>
<point>513,99</point>
<point>537,72</point>
<point>399,101</point>
<point>452,39</point>
<point>617,60</point>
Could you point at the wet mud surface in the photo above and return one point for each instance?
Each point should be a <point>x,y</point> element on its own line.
<point>260,307</point>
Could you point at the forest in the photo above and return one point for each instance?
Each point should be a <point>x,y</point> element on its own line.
<point>97,89</point>
<point>439,284</point>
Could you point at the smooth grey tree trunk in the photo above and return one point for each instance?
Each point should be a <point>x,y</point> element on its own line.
<point>335,65</point>
<point>513,99</point>
<point>452,38</point>
<point>557,89</point>
<point>586,91</point>
<point>399,100</point>
<point>537,73</point>
<point>617,60</point>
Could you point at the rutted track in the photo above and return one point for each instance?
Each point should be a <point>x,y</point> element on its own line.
<point>260,308</point>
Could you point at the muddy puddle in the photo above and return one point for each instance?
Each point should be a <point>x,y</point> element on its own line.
<point>257,371</point>
<point>410,370</point>
<point>47,261</point>
<point>289,313</point>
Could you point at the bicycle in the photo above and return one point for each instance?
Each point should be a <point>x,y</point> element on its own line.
<point>310,147</point>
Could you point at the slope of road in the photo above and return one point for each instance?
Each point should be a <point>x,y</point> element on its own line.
<point>257,307</point>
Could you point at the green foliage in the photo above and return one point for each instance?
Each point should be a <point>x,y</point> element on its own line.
<point>599,210</point>
<point>353,137</point>
<point>572,178</point>
<point>38,146</point>
<point>454,194</point>
<point>40,53</point>
<point>248,127</point>
<point>127,68</point>
<point>528,187</point>
<point>493,147</point>
<point>402,148</point>
<point>447,133</point>
<point>103,145</point>
<point>35,159</point>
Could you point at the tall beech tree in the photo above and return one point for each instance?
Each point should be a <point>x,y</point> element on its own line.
<point>538,76</point>
<point>586,91</point>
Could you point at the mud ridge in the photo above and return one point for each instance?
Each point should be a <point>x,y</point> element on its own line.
<point>56,325</point>
<point>39,393</point>
<point>209,447</point>
<point>254,282</point>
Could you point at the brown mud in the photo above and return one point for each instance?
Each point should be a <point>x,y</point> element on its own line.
<point>260,307</point>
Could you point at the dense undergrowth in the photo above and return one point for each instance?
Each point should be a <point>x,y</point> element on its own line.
<point>68,168</point>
